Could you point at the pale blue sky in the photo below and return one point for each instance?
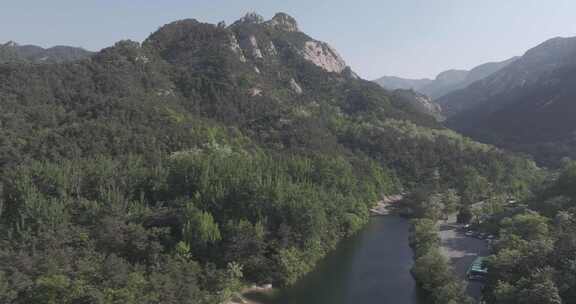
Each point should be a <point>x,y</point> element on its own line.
<point>410,38</point>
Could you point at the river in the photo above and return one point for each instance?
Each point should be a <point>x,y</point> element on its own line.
<point>371,268</point>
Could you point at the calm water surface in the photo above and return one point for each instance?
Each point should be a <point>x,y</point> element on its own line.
<point>371,268</point>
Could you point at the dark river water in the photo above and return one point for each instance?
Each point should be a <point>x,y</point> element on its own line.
<point>371,268</point>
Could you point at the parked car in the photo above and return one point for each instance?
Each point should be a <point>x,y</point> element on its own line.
<point>477,270</point>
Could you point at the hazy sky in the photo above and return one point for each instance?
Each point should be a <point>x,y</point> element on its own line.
<point>409,38</point>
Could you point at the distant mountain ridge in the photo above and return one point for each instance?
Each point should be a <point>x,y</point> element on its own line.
<point>446,82</point>
<point>11,52</point>
<point>527,106</point>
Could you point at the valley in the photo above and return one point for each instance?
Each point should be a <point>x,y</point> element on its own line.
<point>248,162</point>
<point>523,104</point>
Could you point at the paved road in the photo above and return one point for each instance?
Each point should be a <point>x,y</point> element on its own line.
<point>462,251</point>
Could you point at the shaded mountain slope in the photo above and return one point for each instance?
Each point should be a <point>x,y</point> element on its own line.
<point>527,106</point>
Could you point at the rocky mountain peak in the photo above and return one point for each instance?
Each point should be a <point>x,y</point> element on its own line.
<point>251,17</point>
<point>285,22</point>
<point>324,56</point>
<point>11,44</point>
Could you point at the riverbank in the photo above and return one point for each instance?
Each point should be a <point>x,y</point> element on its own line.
<point>386,205</point>
<point>371,267</point>
<point>432,270</point>
<point>251,294</point>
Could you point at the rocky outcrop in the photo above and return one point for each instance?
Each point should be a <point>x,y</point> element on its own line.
<point>295,87</point>
<point>284,22</point>
<point>420,102</point>
<point>251,17</point>
<point>324,56</point>
<point>250,47</point>
<point>385,206</point>
<point>11,44</point>
<point>235,47</point>
<point>252,33</point>
<point>271,49</point>
<point>255,92</point>
<point>256,52</point>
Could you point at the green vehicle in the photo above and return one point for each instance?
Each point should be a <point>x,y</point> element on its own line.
<point>478,270</point>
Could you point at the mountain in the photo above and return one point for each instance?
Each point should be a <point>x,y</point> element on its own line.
<point>445,82</point>
<point>204,159</point>
<point>527,106</point>
<point>420,102</point>
<point>12,51</point>
<point>398,83</point>
<point>485,70</point>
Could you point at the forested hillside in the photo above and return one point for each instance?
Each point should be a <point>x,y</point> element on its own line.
<point>13,52</point>
<point>177,169</point>
<point>534,258</point>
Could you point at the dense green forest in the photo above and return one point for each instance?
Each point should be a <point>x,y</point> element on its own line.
<point>13,52</point>
<point>533,259</point>
<point>179,169</point>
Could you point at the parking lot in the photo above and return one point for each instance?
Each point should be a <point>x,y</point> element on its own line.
<point>462,250</point>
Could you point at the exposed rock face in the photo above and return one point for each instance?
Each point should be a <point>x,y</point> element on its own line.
<point>251,17</point>
<point>324,56</point>
<point>349,73</point>
<point>284,22</point>
<point>256,52</point>
<point>235,46</point>
<point>255,92</point>
<point>420,102</point>
<point>296,87</point>
<point>251,47</point>
<point>165,92</point>
<point>251,38</point>
<point>271,50</point>
<point>142,58</point>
